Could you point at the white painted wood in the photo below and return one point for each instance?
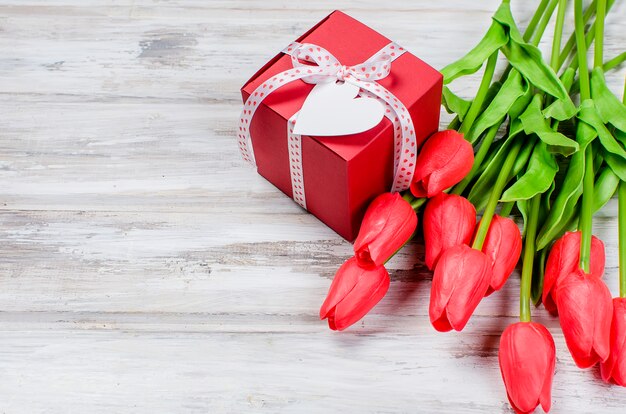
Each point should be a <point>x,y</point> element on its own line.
<point>145,268</point>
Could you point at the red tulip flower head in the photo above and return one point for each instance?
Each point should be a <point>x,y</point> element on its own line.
<point>503,245</point>
<point>460,281</point>
<point>585,312</point>
<point>354,292</point>
<point>563,260</point>
<point>527,357</point>
<point>444,160</point>
<point>388,223</point>
<point>614,369</point>
<point>449,220</point>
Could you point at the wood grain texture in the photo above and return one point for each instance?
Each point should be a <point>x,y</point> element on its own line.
<point>144,268</point>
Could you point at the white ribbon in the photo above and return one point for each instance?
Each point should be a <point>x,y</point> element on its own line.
<point>314,64</point>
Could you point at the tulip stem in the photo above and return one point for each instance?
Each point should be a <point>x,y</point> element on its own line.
<point>621,197</point>
<point>477,103</point>
<point>586,212</point>
<point>506,208</point>
<point>494,197</point>
<point>558,35</point>
<point>529,257</point>
<point>482,152</point>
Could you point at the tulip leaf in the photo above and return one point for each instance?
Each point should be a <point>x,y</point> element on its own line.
<point>570,191</point>
<point>589,115</point>
<point>616,164</point>
<point>494,39</point>
<point>610,109</point>
<point>604,188</point>
<point>535,123</point>
<point>512,89</point>
<point>454,104</point>
<point>528,60</point>
<point>539,175</point>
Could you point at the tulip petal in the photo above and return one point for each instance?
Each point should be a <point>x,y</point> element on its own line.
<point>449,220</point>
<point>388,223</point>
<point>585,312</point>
<point>345,280</point>
<point>444,160</point>
<point>563,260</point>
<point>503,245</point>
<point>527,358</point>
<point>360,301</point>
<point>460,281</point>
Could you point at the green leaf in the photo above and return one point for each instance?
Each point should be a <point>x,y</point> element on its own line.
<point>604,188</point>
<point>571,189</point>
<point>494,39</point>
<point>479,194</point>
<point>617,165</point>
<point>557,110</point>
<point>610,109</point>
<point>535,123</point>
<point>522,206</point>
<point>589,115</point>
<point>454,104</point>
<point>539,176</point>
<point>512,89</point>
<point>528,60</point>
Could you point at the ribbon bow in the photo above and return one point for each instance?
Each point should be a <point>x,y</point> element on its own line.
<point>314,64</point>
<point>375,68</point>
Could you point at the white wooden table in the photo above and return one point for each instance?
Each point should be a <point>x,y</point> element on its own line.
<point>145,268</point>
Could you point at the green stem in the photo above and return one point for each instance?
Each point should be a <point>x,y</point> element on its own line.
<point>558,34</point>
<point>581,50</point>
<point>545,18</point>
<point>586,211</point>
<point>506,208</point>
<point>621,199</point>
<point>477,103</point>
<point>529,257</point>
<point>495,195</point>
<point>535,19</point>
<point>599,33</point>
<point>616,61</point>
<point>482,152</point>
<point>417,203</point>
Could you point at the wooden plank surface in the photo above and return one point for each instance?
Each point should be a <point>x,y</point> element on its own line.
<point>145,268</point>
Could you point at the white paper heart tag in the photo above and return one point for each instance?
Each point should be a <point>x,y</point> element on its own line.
<point>331,109</point>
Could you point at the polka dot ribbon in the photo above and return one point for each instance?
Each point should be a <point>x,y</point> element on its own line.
<point>314,64</point>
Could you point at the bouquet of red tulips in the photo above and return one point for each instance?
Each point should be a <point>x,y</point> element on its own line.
<point>555,164</point>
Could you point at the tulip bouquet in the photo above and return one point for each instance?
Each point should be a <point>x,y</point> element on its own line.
<point>520,145</point>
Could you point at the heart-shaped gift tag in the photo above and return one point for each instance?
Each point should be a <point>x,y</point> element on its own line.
<point>331,109</point>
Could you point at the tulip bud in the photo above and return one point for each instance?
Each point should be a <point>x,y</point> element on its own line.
<point>563,260</point>
<point>460,281</point>
<point>449,220</point>
<point>585,312</point>
<point>388,223</point>
<point>354,292</point>
<point>444,160</point>
<point>503,245</point>
<point>614,369</point>
<point>527,357</point>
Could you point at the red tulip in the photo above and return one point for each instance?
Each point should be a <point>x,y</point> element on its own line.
<point>614,369</point>
<point>445,159</point>
<point>503,245</point>
<point>527,357</point>
<point>563,260</point>
<point>388,223</point>
<point>585,311</point>
<point>460,281</point>
<point>354,291</point>
<point>449,220</point>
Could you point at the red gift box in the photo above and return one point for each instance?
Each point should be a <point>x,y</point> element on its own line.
<point>341,174</point>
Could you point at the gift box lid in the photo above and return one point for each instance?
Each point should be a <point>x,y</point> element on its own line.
<point>351,42</point>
